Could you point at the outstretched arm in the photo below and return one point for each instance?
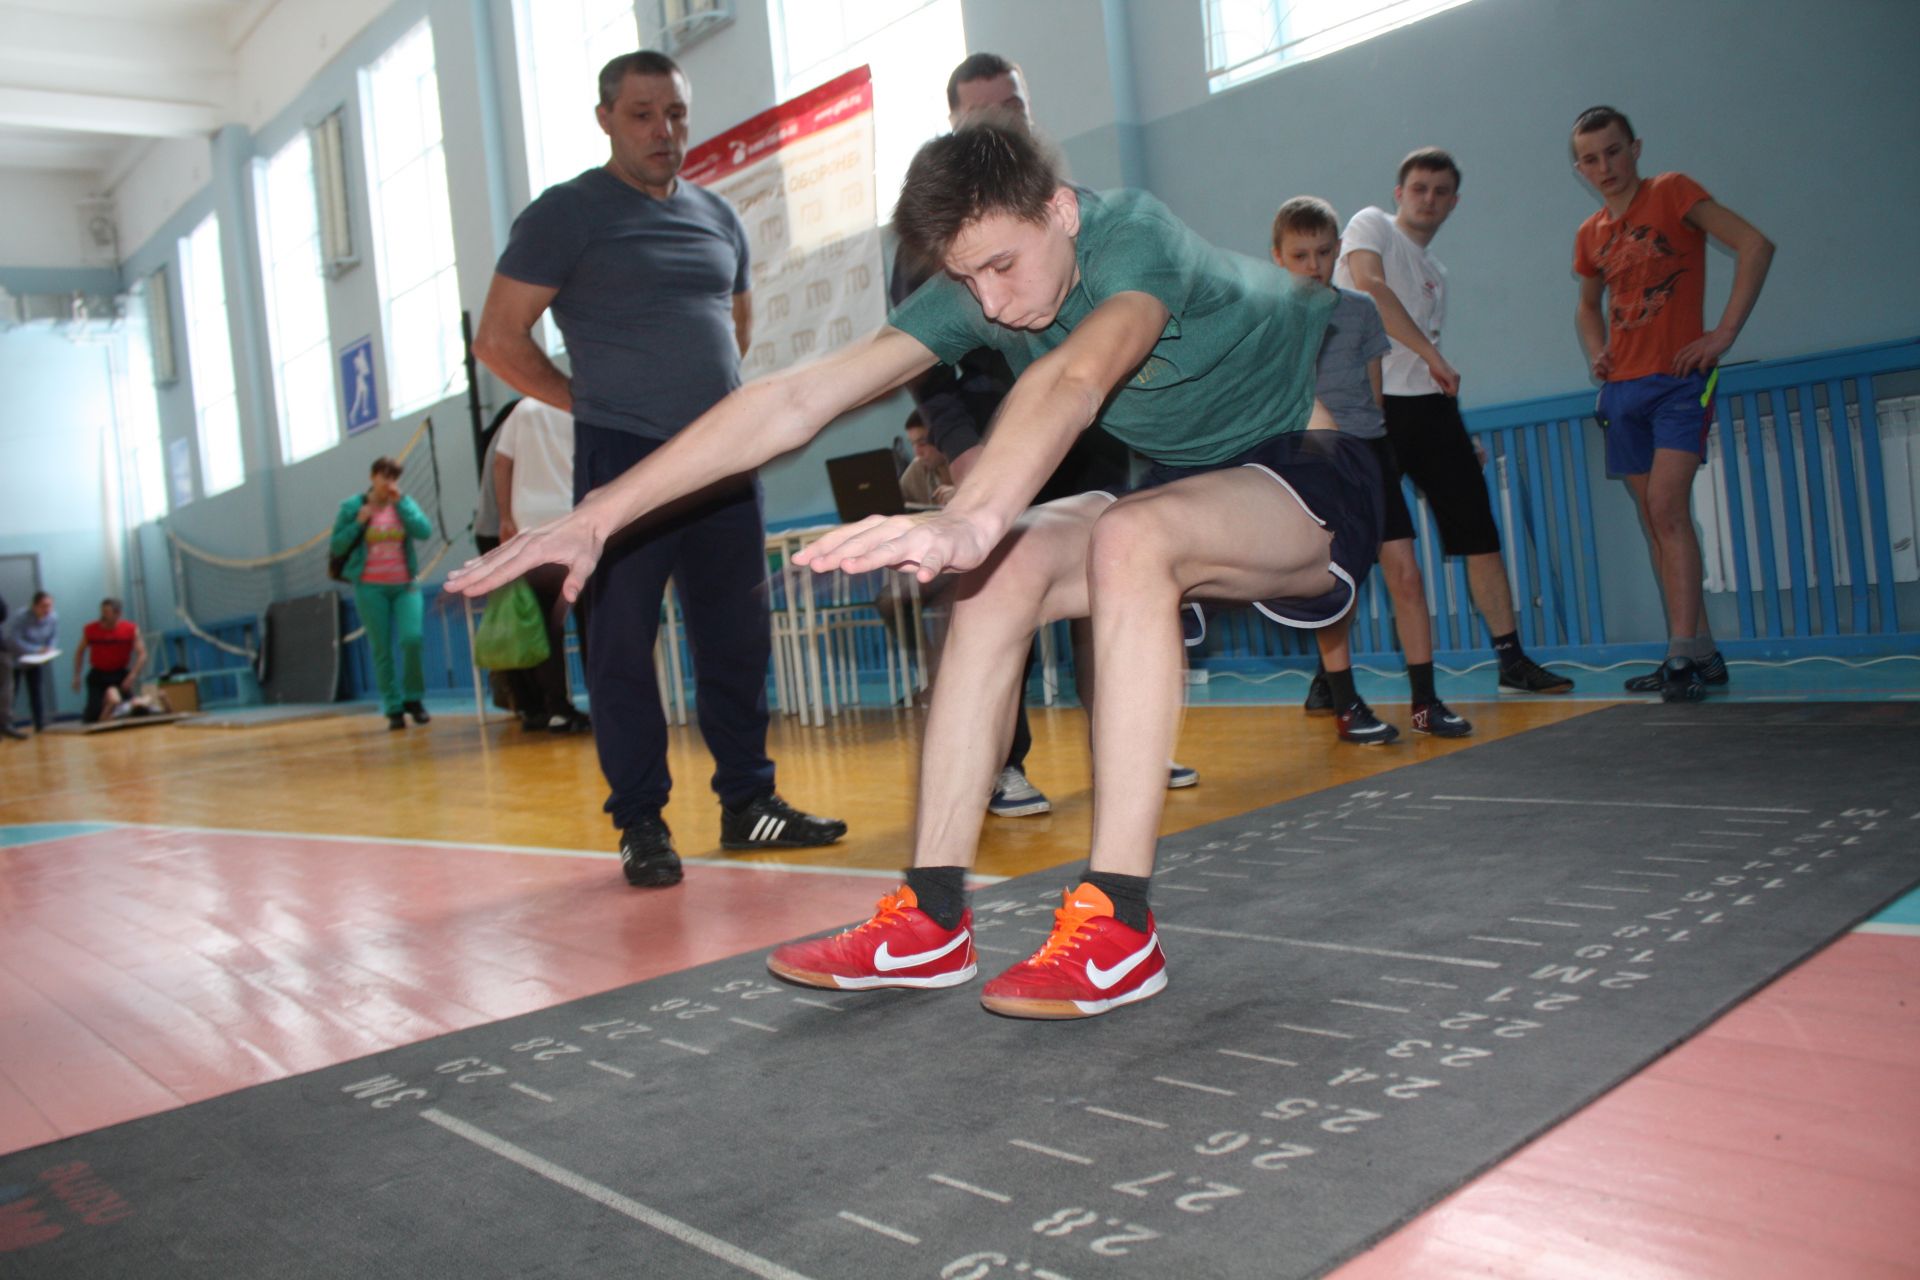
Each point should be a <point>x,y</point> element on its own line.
<point>1057,398</point>
<point>1590,320</point>
<point>1753,254</point>
<point>754,424</point>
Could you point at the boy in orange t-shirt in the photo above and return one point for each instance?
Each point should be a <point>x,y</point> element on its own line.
<point>1646,252</point>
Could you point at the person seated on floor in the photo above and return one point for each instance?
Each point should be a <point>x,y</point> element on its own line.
<point>1109,309</point>
<point>115,705</point>
<point>117,653</point>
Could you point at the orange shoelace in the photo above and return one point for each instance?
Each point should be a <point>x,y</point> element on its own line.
<point>890,909</point>
<point>1069,920</point>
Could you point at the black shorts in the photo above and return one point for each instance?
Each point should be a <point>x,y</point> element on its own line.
<point>1396,522</point>
<point>1431,445</point>
<point>1336,480</point>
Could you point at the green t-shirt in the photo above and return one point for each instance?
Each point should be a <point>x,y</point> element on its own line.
<point>1234,365</point>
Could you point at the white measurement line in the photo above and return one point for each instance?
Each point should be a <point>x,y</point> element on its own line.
<point>1337,839</point>
<point>995,1196</point>
<point>1121,1115</point>
<point>1362,1004</point>
<point>693,1237</point>
<point>1557,924</point>
<point>880,1228</point>
<point>1057,1154</point>
<point>761,1026</point>
<point>1398,817</point>
<point>1315,1031</point>
<point>1197,1088</point>
<point>1383,952</point>
<point>1582,906</point>
<point>1655,857</point>
<point>1225,875</point>
<point>1355,826</point>
<point>690,1048</point>
<point>1511,942</point>
<point>612,1070</point>
<point>1430,806</point>
<point>1695,844</point>
<point>1183,888</point>
<point>1658,875</point>
<point>1772,822</point>
<point>1421,982</point>
<point>1256,862</point>
<point>530,1092</point>
<point>1622,804</point>
<point>817,1004</point>
<point>1614,888</point>
<point>1259,1057</point>
<point>1745,835</point>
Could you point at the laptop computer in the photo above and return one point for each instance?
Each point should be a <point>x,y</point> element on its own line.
<point>865,484</point>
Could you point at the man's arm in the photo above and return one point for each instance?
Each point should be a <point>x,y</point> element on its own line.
<point>757,422</point>
<point>1057,398</point>
<point>504,341</point>
<point>743,320</point>
<point>503,493</point>
<point>1590,321</point>
<point>79,655</point>
<point>1753,255</point>
<point>1373,381</point>
<point>139,662</point>
<point>1370,277</point>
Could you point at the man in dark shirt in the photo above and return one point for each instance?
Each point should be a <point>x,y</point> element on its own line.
<point>958,402</point>
<point>647,278</point>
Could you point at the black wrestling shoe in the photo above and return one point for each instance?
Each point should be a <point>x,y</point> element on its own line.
<point>1358,724</point>
<point>1680,681</point>
<point>572,720</point>
<point>1319,696</point>
<point>1713,671</point>
<point>768,822</point>
<point>417,710</point>
<point>1525,675</point>
<point>396,721</point>
<point>647,856</point>
<point>1440,720</point>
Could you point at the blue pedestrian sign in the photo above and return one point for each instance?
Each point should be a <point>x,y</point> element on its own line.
<point>357,390</point>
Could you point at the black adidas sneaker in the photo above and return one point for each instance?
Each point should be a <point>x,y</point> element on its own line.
<point>768,822</point>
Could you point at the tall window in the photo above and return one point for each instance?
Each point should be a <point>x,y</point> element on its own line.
<point>216,402</point>
<point>299,342</point>
<point>1247,39</point>
<point>412,226</point>
<point>912,46</point>
<point>136,412</point>
<point>563,44</point>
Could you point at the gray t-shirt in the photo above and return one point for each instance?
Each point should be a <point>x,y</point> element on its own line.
<point>1355,336</point>
<point>645,296</point>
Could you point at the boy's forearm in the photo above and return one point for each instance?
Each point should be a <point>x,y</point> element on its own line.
<point>1749,274</point>
<point>1592,328</point>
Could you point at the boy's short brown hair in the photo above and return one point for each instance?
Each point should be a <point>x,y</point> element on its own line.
<point>1305,215</point>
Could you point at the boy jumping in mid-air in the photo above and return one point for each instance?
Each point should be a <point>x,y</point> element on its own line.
<point>1108,308</point>
<point>1306,241</point>
<point>1646,251</point>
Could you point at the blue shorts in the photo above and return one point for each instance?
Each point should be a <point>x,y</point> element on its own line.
<point>1655,412</point>
<point>1336,480</point>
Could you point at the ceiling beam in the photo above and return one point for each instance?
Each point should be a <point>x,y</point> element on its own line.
<point>106,113</point>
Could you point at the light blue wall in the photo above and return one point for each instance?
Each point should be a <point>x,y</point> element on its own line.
<point>56,409</point>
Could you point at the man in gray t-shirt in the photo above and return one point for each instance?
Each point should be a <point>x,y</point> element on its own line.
<point>647,277</point>
<point>1306,241</point>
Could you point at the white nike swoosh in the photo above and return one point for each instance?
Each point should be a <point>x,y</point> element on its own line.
<point>886,962</point>
<point>1105,978</point>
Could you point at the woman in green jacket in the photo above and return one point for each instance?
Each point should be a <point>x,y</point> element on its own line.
<point>376,531</point>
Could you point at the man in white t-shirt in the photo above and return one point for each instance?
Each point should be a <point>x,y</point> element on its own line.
<point>532,485</point>
<point>1387,259</point>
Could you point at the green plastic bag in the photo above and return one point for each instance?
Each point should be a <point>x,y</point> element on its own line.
<point>512,634</point>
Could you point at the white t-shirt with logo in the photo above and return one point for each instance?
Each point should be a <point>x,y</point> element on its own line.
<point>1416,278</point>
<point>539,439</point>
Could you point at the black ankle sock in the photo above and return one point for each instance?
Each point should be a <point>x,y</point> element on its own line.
<point>941,892</point>
<point>1341,682</point>
<point>1420,676</point>
<point>1507,649</point>
<point>1128,895</point>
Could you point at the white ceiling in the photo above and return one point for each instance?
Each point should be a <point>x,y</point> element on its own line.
<point>85,85</point>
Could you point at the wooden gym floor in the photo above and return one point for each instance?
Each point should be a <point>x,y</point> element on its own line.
<point>189,911</point>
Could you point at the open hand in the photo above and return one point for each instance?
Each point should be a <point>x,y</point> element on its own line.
<point>925,546</point>
<point>571,541</point>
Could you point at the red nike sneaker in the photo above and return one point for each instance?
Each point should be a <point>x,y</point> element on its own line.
<point>1091,964</point>
<point>902,946</point>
